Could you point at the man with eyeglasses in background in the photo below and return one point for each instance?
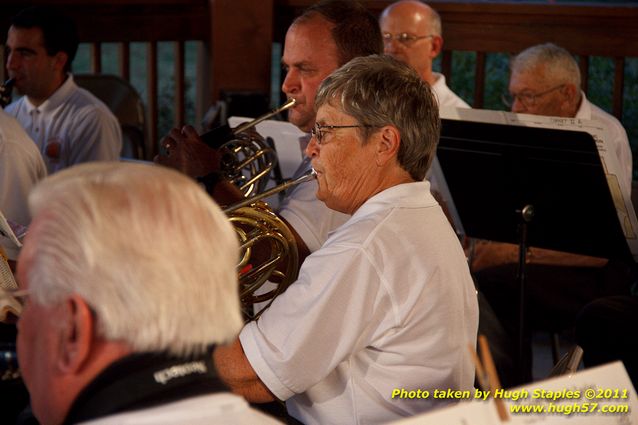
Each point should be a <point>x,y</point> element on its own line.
<point>412,34</point>
<point>545,80</point>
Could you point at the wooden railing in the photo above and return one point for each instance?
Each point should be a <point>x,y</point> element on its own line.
<point>237,37</point>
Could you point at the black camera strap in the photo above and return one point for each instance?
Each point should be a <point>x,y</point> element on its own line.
<point>144,380</point>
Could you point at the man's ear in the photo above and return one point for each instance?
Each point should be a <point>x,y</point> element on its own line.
<point>61,59</point>
<point>437,45</point>
<point>571,97</point>
<point>388,142</point>
<point>76,334</point>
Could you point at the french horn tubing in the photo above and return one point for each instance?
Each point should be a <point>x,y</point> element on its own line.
<point>268,260</point>
<point>247,160</point>
<point>262,279</point>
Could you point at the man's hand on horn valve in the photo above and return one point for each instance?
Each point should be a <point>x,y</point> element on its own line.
<point>184,151</point>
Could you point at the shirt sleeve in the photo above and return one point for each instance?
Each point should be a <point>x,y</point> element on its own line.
<point>321,320</point>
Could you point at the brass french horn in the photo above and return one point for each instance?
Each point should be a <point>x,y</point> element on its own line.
<point>247,160</point>
<point>268,260</point>
<point>261,280</point>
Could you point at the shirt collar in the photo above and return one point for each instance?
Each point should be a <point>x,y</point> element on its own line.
<point>405,195</point>
<point>584,109</point>
<point>439,80</point>
<point>56,99</point>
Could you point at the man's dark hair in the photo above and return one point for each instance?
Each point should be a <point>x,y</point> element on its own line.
<point>59,32</point>
<point>356,31</point>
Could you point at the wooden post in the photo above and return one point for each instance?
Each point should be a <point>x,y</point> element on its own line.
<point>241,44</point>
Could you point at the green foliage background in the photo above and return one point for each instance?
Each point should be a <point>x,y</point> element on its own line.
<point>139,76</point>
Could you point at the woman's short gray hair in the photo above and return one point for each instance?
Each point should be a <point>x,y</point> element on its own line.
<point>145,247</point>
<point>378,90</point>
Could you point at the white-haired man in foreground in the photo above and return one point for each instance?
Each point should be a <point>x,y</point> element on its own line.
<point>130,275</point>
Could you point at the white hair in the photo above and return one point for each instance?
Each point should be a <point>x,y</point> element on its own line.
<point>559,65</point>
<point>435,22</point>
<point>145,247</point>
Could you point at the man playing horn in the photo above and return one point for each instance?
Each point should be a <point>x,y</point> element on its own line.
<point>324,37</point>
<point>383,304</point>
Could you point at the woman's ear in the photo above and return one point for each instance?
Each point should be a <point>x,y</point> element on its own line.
<point>388,142</point>
<point>571,98</point>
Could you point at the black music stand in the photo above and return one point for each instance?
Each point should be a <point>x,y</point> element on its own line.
<point>532,187</point>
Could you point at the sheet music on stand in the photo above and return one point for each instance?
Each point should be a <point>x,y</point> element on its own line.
<point>600,395</point>
<point>8,234</point>
<point>620,195</point>
<point>7,281</point>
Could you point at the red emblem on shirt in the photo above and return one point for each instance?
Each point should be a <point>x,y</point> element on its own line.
<point>53,148</point>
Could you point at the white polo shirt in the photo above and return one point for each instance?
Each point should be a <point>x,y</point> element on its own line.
<point>388,302</point>
<point>70,127</point>
<point>616,140</point>
<point>445,96</point>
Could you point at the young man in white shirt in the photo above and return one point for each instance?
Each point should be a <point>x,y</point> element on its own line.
<point>68,124</point>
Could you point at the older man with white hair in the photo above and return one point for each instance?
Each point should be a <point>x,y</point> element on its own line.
<point>130,276</point>
<point>545,80</point>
